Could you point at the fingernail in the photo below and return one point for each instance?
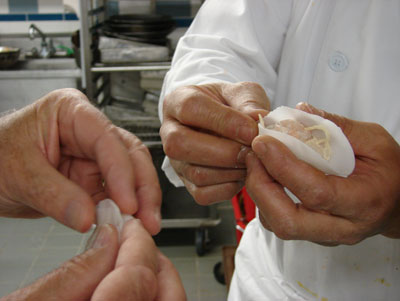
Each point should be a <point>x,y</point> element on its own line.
<point>241,157</point>
<point>246,134</point>
<point>259,147</point>
<point>100,237</point>
<point>306,107</point>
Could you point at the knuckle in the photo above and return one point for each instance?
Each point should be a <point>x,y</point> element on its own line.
<point>171,140</point>
<point>215,193</point>
<point>188,104</point>
<point>285,229</point>
<point>68,94</point>
<point>201,198</point>
<point>141,148</point>
<point>251,90</point>
<point>251,86</point>
<point>321,198</point>
<point>195,174</point>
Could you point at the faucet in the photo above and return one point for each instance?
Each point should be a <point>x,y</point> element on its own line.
<point>47,49</point>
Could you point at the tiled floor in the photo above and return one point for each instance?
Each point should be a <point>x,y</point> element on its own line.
<point>31,248</point>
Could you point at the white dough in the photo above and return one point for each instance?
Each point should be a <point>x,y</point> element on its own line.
<point>341,161</point>
<point>107,212</point>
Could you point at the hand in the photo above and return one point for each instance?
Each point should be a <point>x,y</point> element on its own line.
<point>141,271</point>
<point>333,210</point>
<point>134,271</point>
<point>60,156</point>
<point>206,133</point>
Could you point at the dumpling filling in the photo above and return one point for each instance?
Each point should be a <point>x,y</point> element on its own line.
<point>317,136</point>
<point>311,138</point>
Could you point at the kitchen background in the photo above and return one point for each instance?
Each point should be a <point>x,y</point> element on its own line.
<point>195,238</point>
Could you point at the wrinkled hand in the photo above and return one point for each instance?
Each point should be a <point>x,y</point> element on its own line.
<point>60,156</point>
<point>135,270</point>
<point>206,133</point>
<point>333,210</point>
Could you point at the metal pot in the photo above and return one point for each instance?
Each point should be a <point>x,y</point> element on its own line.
<point>8,56</point>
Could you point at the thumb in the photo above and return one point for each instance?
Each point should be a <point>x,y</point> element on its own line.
<point>360,134</point>
<point>342,122</point>
<point>77,278</point>
<point>51,193</point>
<point>247,97</point>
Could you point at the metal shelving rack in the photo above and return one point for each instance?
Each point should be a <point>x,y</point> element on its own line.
<point>96,84</point>
<point>95,77</point>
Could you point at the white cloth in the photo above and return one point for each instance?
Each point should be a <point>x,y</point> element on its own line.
<point>342,56</point>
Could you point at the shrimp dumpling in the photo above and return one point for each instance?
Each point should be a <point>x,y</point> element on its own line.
<point>107,212</point>
<point>313,139</point>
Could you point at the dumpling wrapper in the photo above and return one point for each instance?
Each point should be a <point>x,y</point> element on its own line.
<point>341,162</point>
<point>107,212</point>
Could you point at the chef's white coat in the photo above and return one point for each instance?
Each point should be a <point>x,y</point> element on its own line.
<point>342,56</point>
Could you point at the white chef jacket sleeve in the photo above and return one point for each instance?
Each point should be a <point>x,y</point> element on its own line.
<point>229,41</point>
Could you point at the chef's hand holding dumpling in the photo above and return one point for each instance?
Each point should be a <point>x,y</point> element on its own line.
<point>313,139</point>
<point>333,209</point>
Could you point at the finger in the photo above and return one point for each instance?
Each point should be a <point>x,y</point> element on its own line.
<point>185,144</point>
<point>77,278</point>
<point>43,188</point>
<point>86,174</point>
<point>352,130</point>
<point>170,285</point>
<point>207,195</point>
<point>100,142</point>
<point>294,221</point>
<point>197,107</point>
<point>264,221</point>
<point>137,247</point>
<point>315,189</point>
<point>17,210</point>
<point>147,187</point>
<point>205,176</point>
<point>136,283</point>
<point>134,276</point>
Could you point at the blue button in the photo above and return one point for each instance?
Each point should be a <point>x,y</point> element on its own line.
<point>338,62</point>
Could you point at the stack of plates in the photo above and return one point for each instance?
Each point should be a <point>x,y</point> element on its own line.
<point>152,29</point>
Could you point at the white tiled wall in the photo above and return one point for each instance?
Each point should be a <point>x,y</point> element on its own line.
<point>3,6</point>
<point>52,7</point>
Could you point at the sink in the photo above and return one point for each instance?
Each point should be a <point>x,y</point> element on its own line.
<point>46,64</point>
<point>43,68</point>
<point>30,79</point>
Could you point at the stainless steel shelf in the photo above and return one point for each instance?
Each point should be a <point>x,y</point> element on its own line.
<point>95,81</point>
<point>130,68</point>
<point>190,222</point>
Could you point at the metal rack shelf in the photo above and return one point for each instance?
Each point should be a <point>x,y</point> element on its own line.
<point>153,67</point>
<point>95,77</point>
<point>96,83</point>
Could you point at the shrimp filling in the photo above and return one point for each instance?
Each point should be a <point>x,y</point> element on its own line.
<point>317,136</point>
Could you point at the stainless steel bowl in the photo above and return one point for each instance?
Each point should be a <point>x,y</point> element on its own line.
<point>8,56</point>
